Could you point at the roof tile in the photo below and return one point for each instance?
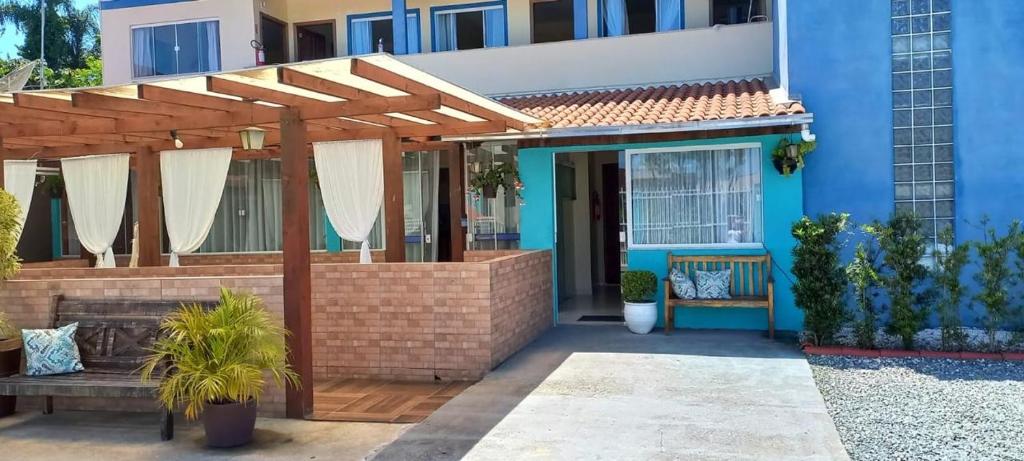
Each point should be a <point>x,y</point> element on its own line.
<point>650,105</point>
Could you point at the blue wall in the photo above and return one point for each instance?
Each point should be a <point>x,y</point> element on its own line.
<point>988,60</point>
<point>783,198</point>
<point>839,64</point>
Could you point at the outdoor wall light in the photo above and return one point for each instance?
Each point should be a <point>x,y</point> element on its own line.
<point>252,138</point>
<point>177,141</point>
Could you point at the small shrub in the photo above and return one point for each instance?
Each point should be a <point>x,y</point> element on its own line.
<point>820,279</point>
<point>947,270</point>
<point>7,329</point>
<point>639,286</point>
<point>903,246</point>
<point>10,212</point>
<point>863,275</point>
<point>994,276</point>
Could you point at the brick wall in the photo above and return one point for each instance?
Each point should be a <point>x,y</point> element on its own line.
<point>413,321</point>
<point>409,321</point>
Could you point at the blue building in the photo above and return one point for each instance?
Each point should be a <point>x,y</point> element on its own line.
<point>660,122</point>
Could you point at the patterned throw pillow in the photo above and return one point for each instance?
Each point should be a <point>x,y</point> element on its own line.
<point>713,285</point>
<point>682,286</point>
<point>51,352</point>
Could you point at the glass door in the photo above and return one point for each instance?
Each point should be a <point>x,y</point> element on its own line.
<point>420,171</point>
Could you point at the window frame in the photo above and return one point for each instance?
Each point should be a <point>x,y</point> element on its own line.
<point>466,8</point>
<point>131,46</point>
<point>602,33</point>
<point>410,14</point>
<point>629,153</point>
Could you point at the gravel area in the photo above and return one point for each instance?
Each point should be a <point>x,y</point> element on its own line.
<point>924,409</point>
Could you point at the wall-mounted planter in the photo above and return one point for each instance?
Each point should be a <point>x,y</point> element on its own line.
<point>788,156</point>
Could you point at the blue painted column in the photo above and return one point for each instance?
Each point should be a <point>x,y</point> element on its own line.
<point>56,232</point>
<point>579,18</point>
<point>331,236</point>
<point>398,26</point>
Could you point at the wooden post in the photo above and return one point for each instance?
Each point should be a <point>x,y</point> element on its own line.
<point>394,200</point>
<point>297,283</point>
<point>457,200</point>
<point>147,169</point>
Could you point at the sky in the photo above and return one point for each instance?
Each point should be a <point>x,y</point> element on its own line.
<point>11,38</point>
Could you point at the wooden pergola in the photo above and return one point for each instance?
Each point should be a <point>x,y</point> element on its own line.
<point>373,97</point>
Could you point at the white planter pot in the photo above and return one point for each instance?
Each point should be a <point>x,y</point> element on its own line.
<point>640,317</point>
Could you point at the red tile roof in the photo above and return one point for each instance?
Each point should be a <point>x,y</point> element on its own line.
<point>651,105</point>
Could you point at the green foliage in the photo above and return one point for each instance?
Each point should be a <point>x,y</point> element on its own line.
<point>639,286</point>
<point>821,281</point>
<point>789,161</point>
<point>72,33</point>
<point>504,175</point>
<point>10,212</point>
<point>218,355</point>
<point>903,245</point>
<point>7,329</point>
<point>947,270</point>
<point>863,275</point>
<point>994,277</point>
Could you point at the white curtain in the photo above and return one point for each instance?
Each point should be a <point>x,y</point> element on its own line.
<point>351,177</point>
<point>670,15</point>
<point>615,21</point>
<point>97,188</point>
<point>193,182</point>
<point>696,197</point>
<point>19,181</point>
<point>143,61</point>
<point>445,32</point>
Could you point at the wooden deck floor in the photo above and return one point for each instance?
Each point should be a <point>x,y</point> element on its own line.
<point>366,400</point>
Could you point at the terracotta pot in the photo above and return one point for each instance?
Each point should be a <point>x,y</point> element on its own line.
<point>490,191</point>
<point>10,364</point>
<point>229,424</point>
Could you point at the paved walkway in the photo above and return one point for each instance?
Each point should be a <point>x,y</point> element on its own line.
<point>599,392</point>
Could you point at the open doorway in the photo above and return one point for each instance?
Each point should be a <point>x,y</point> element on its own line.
<point>589,219</point>
<point>274,38</point>
<point>314,40</point>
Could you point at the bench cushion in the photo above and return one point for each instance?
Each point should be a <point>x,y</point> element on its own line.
<point>84,384</point>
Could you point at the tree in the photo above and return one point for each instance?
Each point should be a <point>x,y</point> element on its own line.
<point>904,246</point>
<point>71,32</point>
<point>820,279</point>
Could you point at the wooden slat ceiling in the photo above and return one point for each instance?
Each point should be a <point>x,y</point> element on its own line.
<point>348,98</point>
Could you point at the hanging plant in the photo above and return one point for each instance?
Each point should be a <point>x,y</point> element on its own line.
<point>486,183</point>
<point>788,157</point>
<point>53,186</point>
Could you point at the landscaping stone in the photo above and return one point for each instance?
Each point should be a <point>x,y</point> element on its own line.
<point>919,408</point>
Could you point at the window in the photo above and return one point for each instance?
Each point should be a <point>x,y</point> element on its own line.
<point>552,20</point>
<point>628,17</point>
<point>172,49</point>
<point>493,223</point>
<point>467,27</point>
<point>737,11</point>
<point>366,32</point>
<point>703,196</point>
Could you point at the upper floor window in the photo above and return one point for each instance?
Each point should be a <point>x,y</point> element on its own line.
<point>467,27</point>
<point>694,196</point>
<point>183,48</point>
<point>737,11</point>
<point>368,33</point>
<point>552,20</point>
<point>627,17</point>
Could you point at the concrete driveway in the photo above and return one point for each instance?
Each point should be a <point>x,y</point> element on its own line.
<point>600,392</point>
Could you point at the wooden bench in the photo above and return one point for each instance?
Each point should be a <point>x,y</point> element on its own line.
<point>113,337</point>
<point>751,284</point>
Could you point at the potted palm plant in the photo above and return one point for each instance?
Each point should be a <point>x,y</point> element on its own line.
<point>486,182</point>
<point>213,362</point>
<point>638,291</point>
<point>10,359</point>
